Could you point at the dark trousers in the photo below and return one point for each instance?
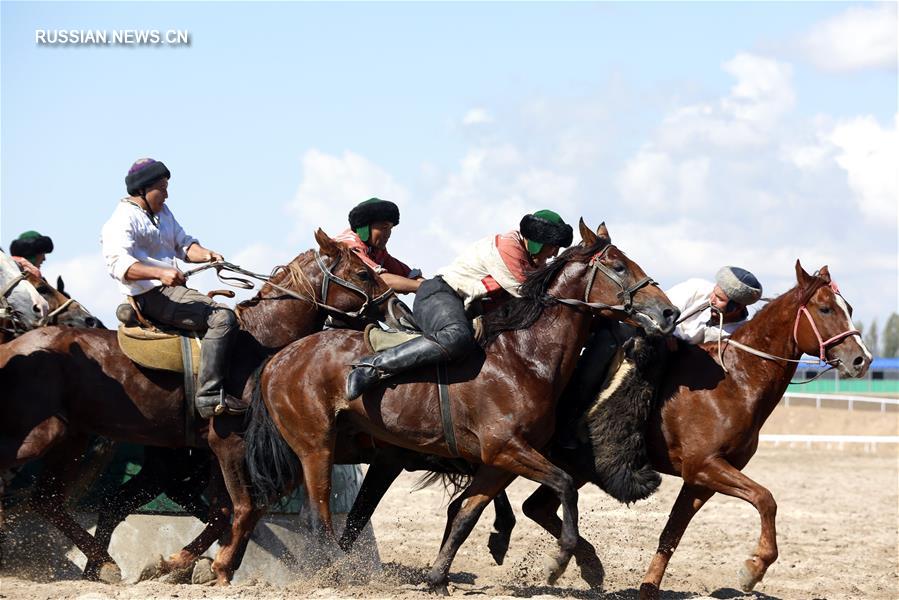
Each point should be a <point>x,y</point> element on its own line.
<point>184,308</point>
<point>440,314</point>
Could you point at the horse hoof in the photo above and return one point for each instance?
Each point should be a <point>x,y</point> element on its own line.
<point>110,573</point>
<point>152,569</point>
<point>203,573</point>
<point>649,592</point>
<point>499,546</point>
<point>553,568</point>
<point>750,574</point>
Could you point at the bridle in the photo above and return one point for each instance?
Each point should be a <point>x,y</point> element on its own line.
<point>823,344</point>
<point>625,293</point>
<point>328,277</point>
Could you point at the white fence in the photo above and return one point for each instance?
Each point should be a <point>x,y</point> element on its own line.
<point>850,400</point>
<point>869,442</point>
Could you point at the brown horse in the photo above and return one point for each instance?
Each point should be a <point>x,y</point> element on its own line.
<point>503,399</point>
<point>62,309</point>
<point>61,385</point>
<point>705,427</point>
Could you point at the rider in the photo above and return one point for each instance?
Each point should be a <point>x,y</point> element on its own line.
<point>371,223</point>
<point>734,289</point>
<point>140,242</point>
<point>29,250</point>
<point>495,263</point>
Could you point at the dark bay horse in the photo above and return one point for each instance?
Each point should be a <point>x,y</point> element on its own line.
<point>705,427</point>
<point>61,385</point>
<point>503,399</point>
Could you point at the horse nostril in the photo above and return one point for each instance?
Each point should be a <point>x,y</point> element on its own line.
<point>90,322</point>
<point>670,314</point>
<point>859,361</point>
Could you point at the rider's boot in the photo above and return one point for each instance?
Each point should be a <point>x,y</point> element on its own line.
<point>371,370</point>
<point>211,396</point>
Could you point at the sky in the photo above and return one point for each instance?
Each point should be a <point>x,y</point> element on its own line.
<point>703,134</point>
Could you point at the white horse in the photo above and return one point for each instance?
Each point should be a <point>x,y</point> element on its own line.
<point>18,297</point>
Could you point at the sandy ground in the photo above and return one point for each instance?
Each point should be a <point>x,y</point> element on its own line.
<point>838,532</point>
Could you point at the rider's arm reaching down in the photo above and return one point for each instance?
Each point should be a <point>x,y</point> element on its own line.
<point>403,285</point>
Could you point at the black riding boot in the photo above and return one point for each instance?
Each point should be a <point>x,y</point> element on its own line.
<point>211,396</point>
<point>372,369</point>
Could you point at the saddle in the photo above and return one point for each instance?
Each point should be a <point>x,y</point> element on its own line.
<point>154,347</point>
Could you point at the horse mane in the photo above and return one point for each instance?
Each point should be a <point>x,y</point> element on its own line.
<point>290,276</point>
<point>801,294</point>
<point>522,312</point>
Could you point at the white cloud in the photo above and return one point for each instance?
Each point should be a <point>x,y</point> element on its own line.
<point>762,94</point>
<point>861,37</point>
<point>870,156</point>
<point>330,183</point>
<point>477,116</point>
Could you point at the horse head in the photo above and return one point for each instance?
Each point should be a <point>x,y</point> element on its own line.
<point>349,288</point>
<point>823,325</point>
<point>614,280</point>
<point>63,310</point>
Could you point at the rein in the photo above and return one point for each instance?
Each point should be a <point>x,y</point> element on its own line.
<point>327,277</point>
<point>822,343</point>
<point>625,293</point>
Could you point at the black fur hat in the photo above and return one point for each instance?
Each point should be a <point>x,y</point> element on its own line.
<point>144,173</point>
<point>372,211</point>
<point>545,227</point>
<point>30,244</point>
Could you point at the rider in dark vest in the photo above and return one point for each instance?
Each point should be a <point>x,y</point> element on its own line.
<point>141,241</point>
<point>495,263</point>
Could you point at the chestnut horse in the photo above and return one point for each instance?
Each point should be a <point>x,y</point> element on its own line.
<point>61,385</point>
<point>705,426</point>
<point>503,399</point>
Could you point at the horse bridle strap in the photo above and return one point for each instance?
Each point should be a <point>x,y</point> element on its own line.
<point>626,293</point>
<point>822,343</point>
<point>328,276</point>
<point>55,313</point>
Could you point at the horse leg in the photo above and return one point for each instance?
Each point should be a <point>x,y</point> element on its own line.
<point>522,459</point>
<point>503,524</point>
<point>229,447</point>
<point>689,501</point>
<point>486,484</point>
<point>48,499</point>
<point>720,476</point>
<point>382,472</point>
<point>541,507</point>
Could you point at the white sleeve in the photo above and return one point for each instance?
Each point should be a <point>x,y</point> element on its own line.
<point>183,241</point>
<point>117,239</point>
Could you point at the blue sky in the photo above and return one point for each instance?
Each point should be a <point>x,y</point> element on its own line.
<point>703,133</point>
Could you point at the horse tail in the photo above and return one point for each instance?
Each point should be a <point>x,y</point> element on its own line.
<point>271,463</point>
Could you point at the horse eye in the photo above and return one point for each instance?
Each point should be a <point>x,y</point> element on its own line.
<point>364,275</point>
<point>619,268</point>
<point>824,310</point>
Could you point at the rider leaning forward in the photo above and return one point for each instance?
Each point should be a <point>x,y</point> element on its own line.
<point>141,241</point>
<point>371,223</point>
<point>493,264</point>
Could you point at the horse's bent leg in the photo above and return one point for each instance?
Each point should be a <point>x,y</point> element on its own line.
<point>541,507</point>
<point>689,501</point>
<point>503,524</point>
<point>486,484</point>
<point>379,477</point>
<point>48,499</point>
<point>524,460</point>
<point>722,477</point>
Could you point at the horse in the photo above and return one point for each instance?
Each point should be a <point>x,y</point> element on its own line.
<point>704,427</point>
<point>503,397</point>
<point>87,386</point>
<point>28,301</point>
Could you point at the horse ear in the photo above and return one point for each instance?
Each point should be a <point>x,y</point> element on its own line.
<point>60,285</point>
<point>802,278</point>
<point>587,236</point>
<point>824,273</point>
<point>328,246</point>
<point>603,232</point>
